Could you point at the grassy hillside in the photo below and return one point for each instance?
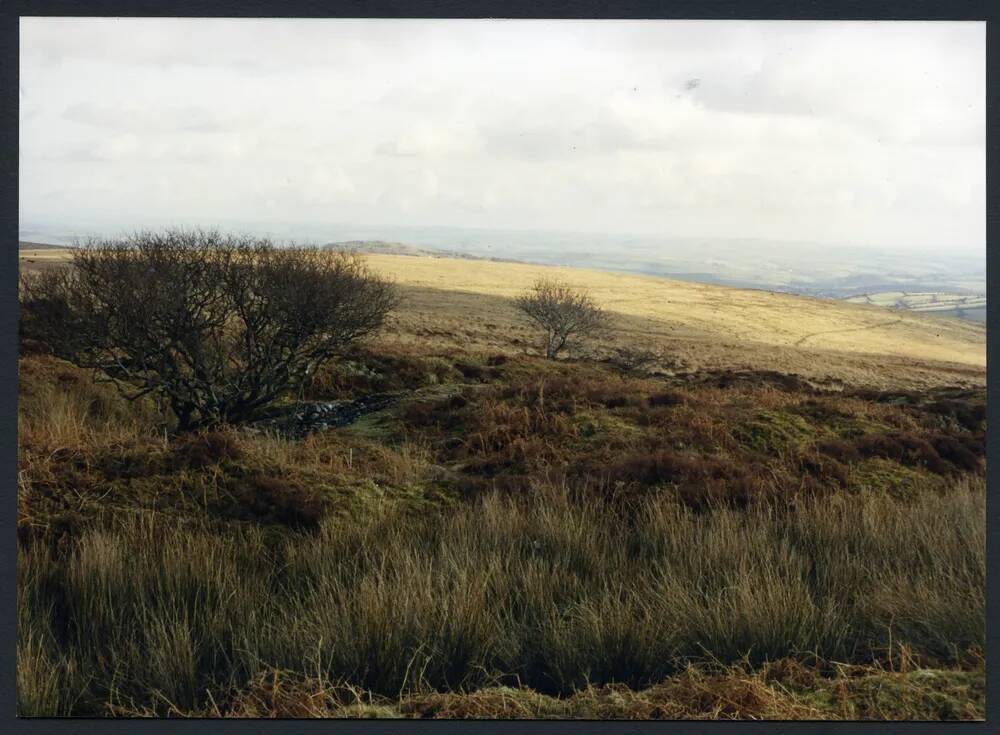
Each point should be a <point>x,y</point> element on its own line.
<point>682,310</point>
<point>466,304</point>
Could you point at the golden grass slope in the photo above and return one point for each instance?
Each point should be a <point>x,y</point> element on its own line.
<point>730,314</point>
<point>465,303</point>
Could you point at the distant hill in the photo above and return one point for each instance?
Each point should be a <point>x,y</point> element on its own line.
<point>22,245</point>
<point>467,303</point>
<point>378,246</point>
<point>382,247</point>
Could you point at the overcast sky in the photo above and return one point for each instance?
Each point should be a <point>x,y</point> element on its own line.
<point>850,132</point>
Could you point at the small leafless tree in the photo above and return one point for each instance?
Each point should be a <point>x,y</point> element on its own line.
<point>216,326</point>
<point>564,313</point>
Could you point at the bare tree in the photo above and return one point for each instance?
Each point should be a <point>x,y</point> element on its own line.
<point>563,312</point>
<point>217,326</point>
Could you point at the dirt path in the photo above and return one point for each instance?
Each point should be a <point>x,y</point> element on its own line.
<point>865,328</point>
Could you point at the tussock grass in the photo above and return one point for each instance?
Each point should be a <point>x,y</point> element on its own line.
<point>547,594</point>
<point>534,540</point>
<point>63,407</point>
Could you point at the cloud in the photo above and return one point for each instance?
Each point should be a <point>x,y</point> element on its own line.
<point>431,141</point>
<point>135,117</point>
<point>802,131</point>
<point>892,82</point>
<point>562,133</point>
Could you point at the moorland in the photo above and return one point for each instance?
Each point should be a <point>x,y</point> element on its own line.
<point>731,504</point>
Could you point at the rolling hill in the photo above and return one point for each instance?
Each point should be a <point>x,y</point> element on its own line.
<point>466,304</point>
<point>697,325</point>
<point>22,245</point>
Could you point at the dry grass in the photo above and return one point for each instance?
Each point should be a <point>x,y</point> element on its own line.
<point>542,593</point>
<point>468,304</point>
<point>710,311</point>
<point>785,690</point>
<point>514,538</point>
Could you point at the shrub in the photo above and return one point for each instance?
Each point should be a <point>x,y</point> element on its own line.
<point>952,450</point>
<point>969,415</point>
<point>216,326</point>
<point>634,360</point>
<point>267,500</point>
<point>840,450</point>
<point>903,448</point>
<point>207,448</point>
<point>667,398</point>
<point>562,312</point>
<point>470,370</point>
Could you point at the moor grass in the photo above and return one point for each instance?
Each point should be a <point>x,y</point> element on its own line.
<point>511,538</point>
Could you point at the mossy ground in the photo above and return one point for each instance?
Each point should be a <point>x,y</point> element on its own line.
<point>782,691</point>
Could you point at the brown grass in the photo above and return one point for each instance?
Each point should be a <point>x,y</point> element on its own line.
<point>521,539</point>
<point>794,693</point>
<point>544,593</point>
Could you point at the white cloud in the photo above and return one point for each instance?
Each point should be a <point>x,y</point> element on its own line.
<point>858,132</point>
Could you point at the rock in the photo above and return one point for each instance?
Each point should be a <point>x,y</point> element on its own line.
<point>305,419</point>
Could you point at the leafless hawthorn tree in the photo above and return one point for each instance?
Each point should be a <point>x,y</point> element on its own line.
<point>563,312</point>
<point>217,326</point>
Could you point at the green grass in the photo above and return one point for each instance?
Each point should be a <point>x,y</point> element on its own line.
<point>775,432</point>
<point>885,477</point>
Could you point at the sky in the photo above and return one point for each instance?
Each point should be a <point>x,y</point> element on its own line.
<point>865,133</point>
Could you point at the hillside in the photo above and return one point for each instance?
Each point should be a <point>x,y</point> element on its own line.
<point>465,303</point>
<point>34,255</point>
<point>377,246</point>
<point>695,325</point>
<point>442,524</point>
<point>509,537</point>
<point>22,245</point>
<point>381,247</point>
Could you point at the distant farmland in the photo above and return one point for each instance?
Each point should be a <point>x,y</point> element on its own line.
<point>964,306</point>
